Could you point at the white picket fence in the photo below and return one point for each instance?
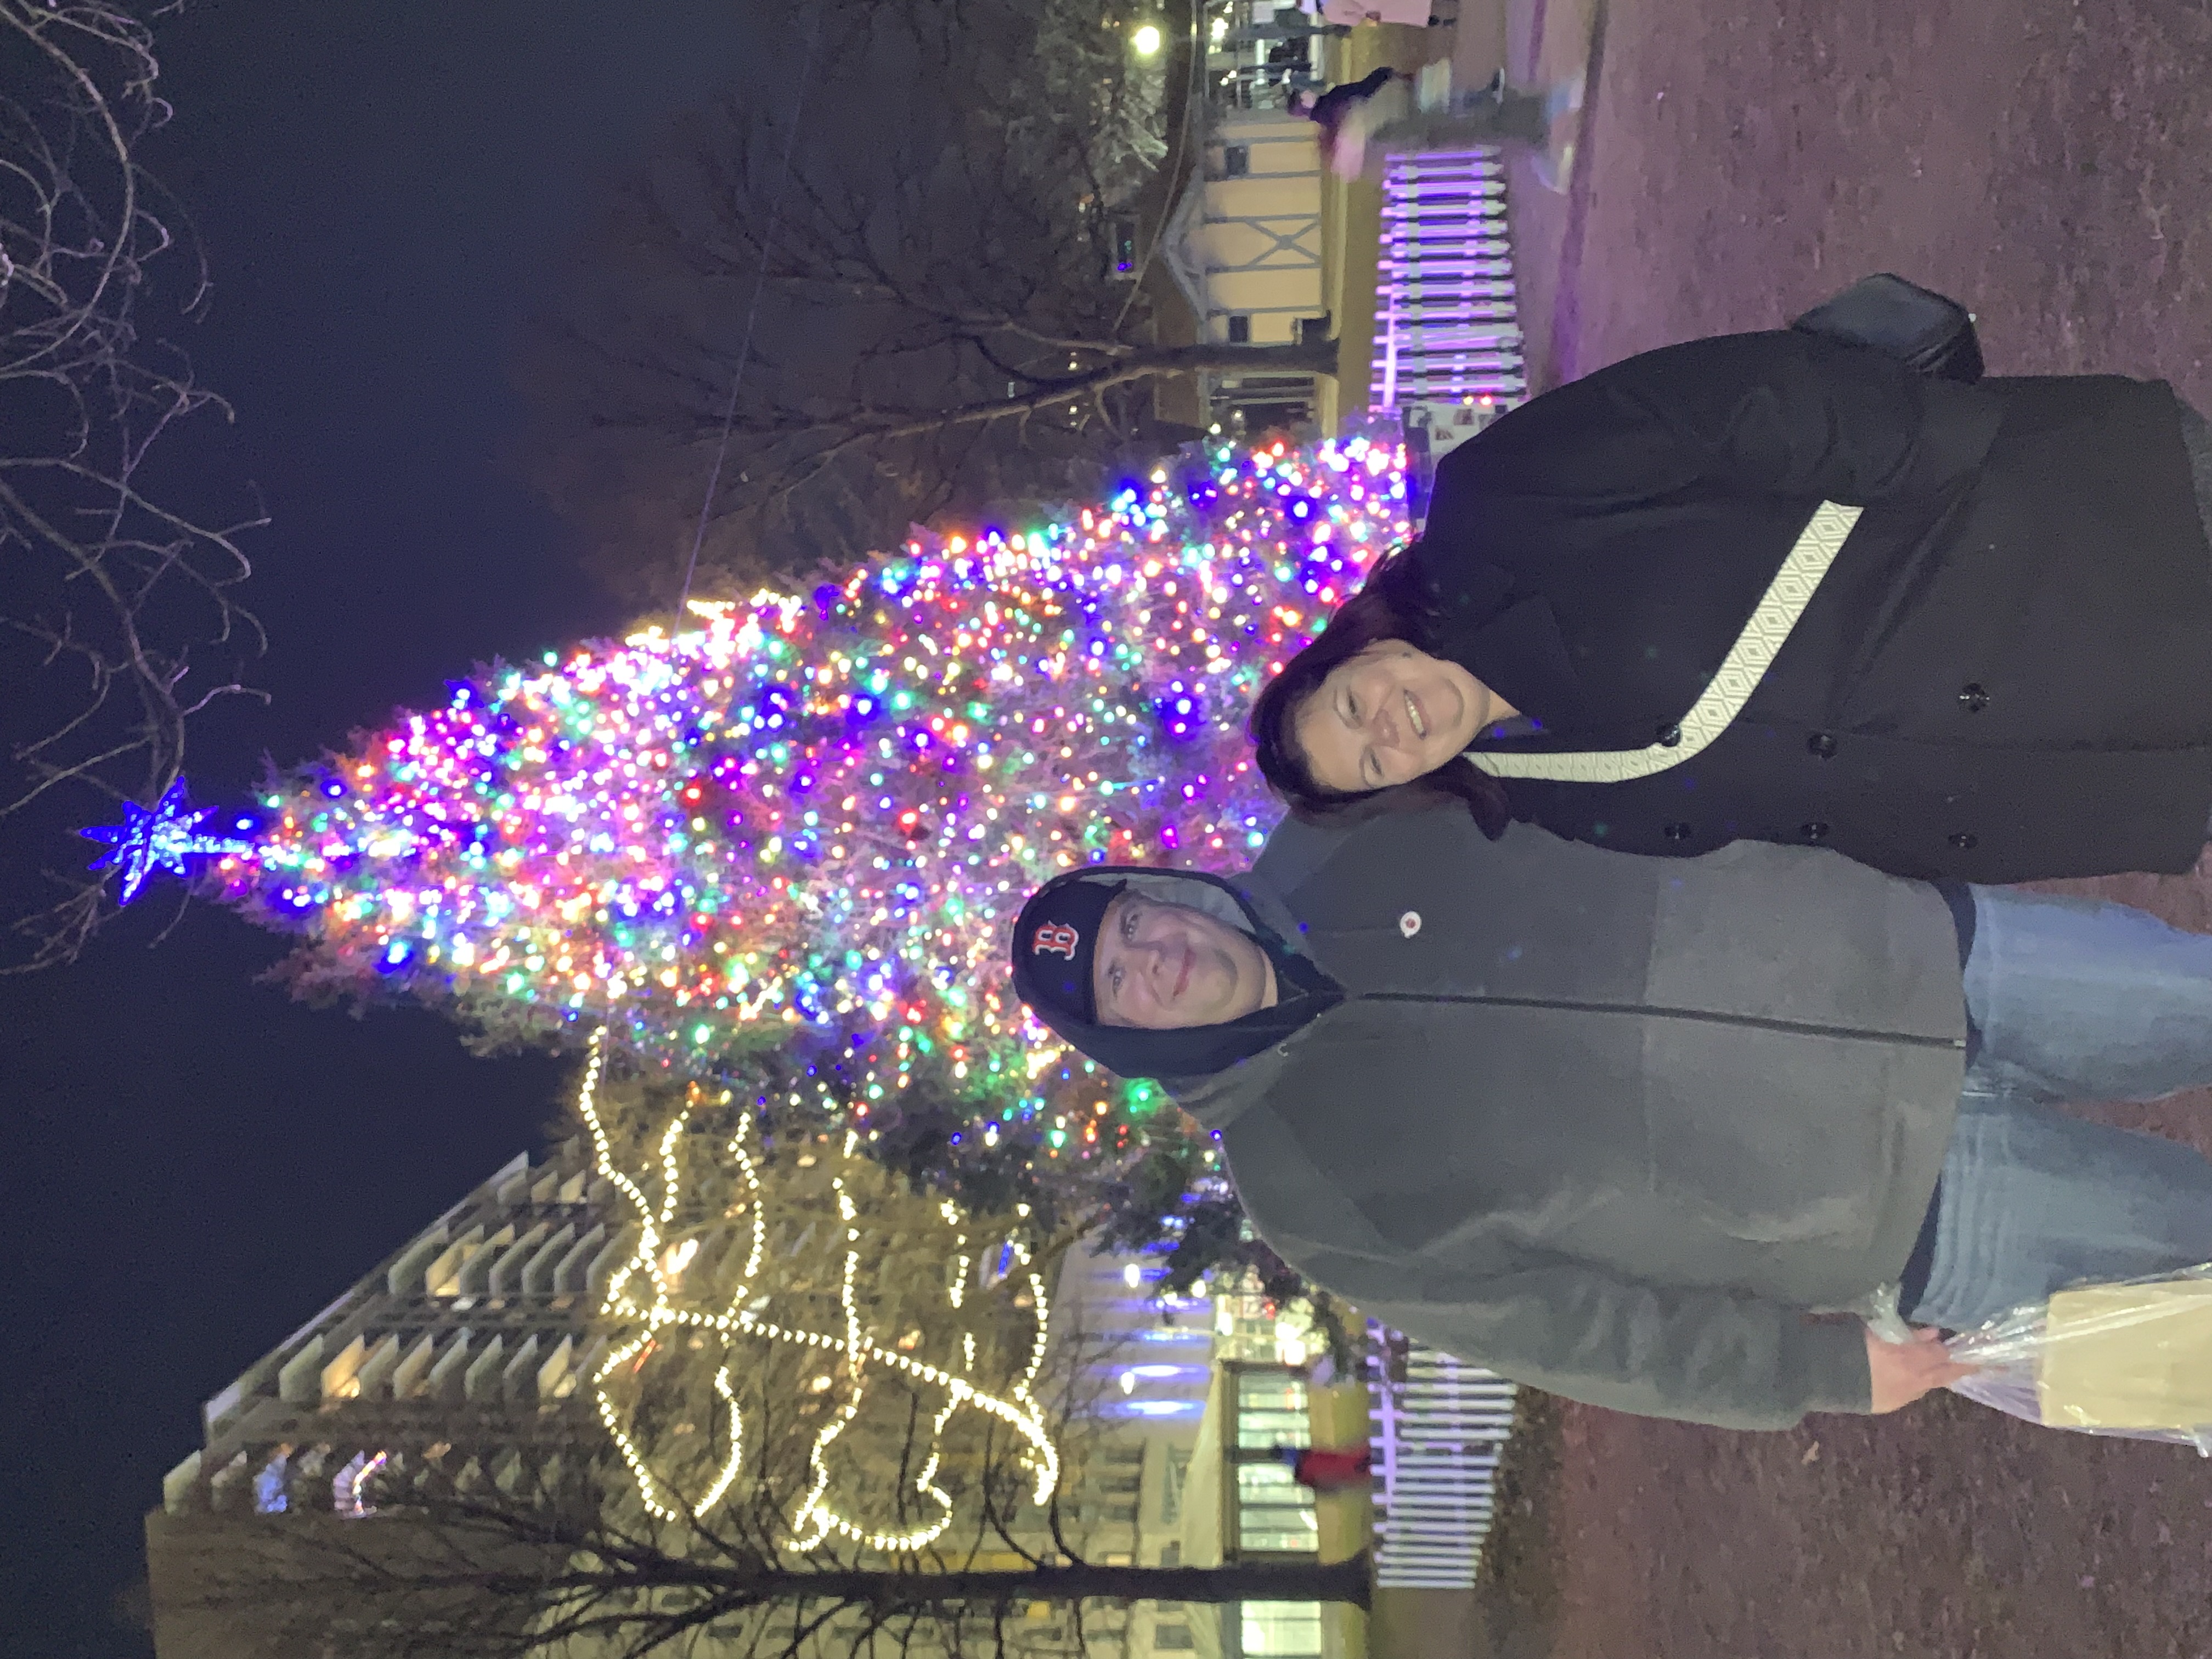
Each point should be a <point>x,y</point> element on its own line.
<point>1437,1435</point>
<point>1446,330</point>
<point>1445,323</point>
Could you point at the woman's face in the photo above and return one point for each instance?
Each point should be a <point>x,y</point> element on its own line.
<point>1388,715</point>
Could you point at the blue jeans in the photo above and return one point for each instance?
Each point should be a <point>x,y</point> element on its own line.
<point>2073,999</point>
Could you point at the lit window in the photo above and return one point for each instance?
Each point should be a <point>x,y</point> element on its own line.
<point>1281,1630</point>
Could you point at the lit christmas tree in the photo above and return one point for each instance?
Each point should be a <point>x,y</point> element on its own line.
<point>782,849</point>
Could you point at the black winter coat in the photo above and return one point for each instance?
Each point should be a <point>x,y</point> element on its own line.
<point>1333,106</point>
<point>2006,675</point>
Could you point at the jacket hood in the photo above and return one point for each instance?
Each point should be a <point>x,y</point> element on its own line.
<point>1181,1057</point>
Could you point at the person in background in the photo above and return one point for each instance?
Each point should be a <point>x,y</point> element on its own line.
<point>1389,113</point>
<point>1289,25</point>
<point>1328,1469</point>
<point>1328,110</point>
<point>1410,14</point>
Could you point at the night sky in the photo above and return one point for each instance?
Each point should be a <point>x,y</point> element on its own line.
<point>194,1165</point>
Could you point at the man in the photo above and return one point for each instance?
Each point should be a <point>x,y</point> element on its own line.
<point>1289,25</point>
<point>1381,115</point>
<point>1328,109</point>
<point>1649,1133</point>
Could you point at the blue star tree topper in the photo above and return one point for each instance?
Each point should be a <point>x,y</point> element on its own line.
<point>163,835</point>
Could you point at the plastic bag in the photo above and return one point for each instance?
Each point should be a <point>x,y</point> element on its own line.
<point>2131,1358</point>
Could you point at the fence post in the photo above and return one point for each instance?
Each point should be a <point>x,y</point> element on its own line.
<point>1446,325</point>
<point>1438,1433</point>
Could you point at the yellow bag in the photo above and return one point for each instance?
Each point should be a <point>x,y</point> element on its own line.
<point>2129,1357</point>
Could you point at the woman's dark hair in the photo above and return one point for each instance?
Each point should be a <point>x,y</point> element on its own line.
<point>1389,605</point>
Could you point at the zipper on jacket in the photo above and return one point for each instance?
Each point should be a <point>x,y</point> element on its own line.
<point>1794,1027</point>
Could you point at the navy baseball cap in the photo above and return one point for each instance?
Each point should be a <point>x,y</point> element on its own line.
<point>1055,943</point>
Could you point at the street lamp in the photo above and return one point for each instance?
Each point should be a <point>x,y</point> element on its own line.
<point>1146,40</point>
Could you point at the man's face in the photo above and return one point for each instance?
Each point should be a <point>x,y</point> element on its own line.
<point>1165,967</point>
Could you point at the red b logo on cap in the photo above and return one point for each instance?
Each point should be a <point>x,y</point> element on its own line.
<point>1056,938</point>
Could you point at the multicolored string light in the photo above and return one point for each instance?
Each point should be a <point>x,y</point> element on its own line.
<point>804,824</point>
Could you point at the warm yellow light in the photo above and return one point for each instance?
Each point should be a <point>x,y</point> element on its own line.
<point>1146,40</point>
<point>661,1264</point>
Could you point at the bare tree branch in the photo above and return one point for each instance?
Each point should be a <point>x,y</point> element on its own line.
<point>430,1574</point>
<point>476,1545</point>
<point>118,623</point>
<point>942,330</point>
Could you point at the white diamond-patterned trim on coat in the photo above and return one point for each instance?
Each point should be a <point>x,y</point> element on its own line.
<point>1740,671</point>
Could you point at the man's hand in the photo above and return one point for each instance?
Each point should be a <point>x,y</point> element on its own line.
<point>1903,1371</point>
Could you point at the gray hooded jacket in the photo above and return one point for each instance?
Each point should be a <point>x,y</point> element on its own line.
<point>1614,1127</point>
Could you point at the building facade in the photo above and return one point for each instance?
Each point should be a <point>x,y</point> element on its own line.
<point>471,1338</point>
<point>1243,240</point>
<point>470,1349</point>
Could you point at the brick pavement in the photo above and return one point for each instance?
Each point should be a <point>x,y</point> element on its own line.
<point>2050,163</point>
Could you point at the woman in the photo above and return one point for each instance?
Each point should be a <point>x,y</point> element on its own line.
<point>1779,587</point>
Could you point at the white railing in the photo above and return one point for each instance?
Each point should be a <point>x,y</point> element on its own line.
<point>1438,1431</point>
<point>1445,323</point>
<point>1446,329</point>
